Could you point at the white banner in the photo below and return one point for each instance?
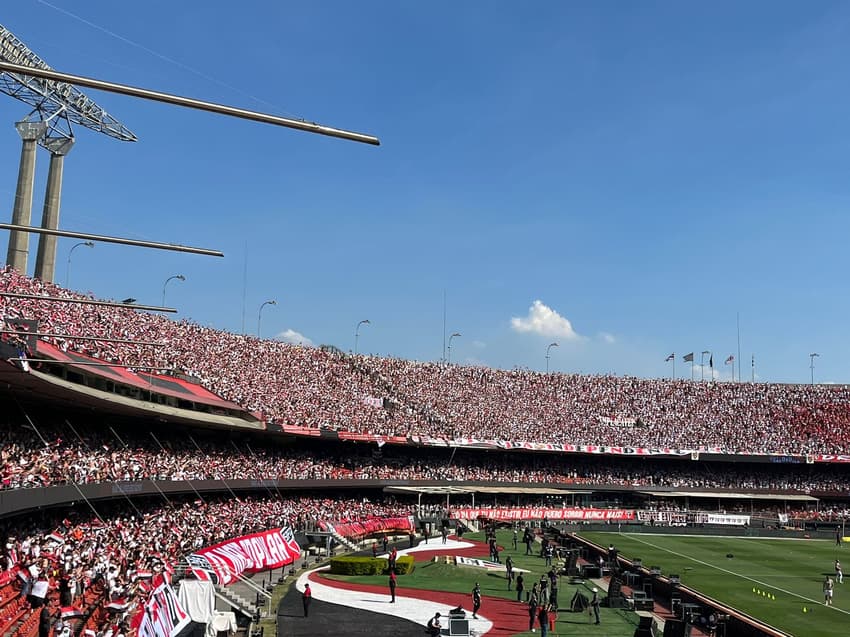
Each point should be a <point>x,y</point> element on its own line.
<point>732,520</point>
<point>163,616</point>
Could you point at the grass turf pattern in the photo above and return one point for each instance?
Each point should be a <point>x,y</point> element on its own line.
<point>792,571</point>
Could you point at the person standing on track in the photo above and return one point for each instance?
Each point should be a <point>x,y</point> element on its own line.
<point>519,587</point>
<point>476,600</point>
<point>532,608</point>
<point>828,588</point>
<point>306,599</point>
<point>392,586</point>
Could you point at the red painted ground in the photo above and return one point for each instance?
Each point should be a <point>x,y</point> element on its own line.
<point>479,549</point>
<point>508,617</point>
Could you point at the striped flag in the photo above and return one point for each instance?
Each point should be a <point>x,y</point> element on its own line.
<point>71,611</point>
<point>688,358</point>
<point>56,536</point>
<point>118,605</point>
<point>669,358</point>
<point>731,359</point>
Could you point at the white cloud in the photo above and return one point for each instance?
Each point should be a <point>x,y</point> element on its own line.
<point>296,338</point>
<point>545,321</point>
<point>608,338</point>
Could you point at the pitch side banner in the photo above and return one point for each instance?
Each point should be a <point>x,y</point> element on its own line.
<point>536,513</point>
<point>163,616</point>
<point>369,526</point>
<point>246,554</point>
<point>733,520</point>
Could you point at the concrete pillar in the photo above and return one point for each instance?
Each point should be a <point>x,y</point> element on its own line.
<point>30,133</point>
<point>45,260</point>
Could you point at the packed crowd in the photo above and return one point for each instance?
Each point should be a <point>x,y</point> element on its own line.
<point>309,387</point>
<point>108,549</point>
<point>63,453</point>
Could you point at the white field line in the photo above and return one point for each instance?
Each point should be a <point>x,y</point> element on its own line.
<point>733,537</point>
<point>724,570</point>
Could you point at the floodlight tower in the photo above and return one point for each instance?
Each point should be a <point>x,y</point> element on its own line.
<point>56,105</point>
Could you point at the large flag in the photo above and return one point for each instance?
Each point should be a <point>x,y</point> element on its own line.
<point>711,361</point>
<point>688,358</point>
<point>731,359</point>
<point>669,358</point>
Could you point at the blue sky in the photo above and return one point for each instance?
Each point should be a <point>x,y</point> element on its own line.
<point>620,178</point>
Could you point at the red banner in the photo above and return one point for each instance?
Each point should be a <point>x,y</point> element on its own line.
<point>301,431</point>
<point>537,513</point>
<point>363,528</point>
<point>246,554</point>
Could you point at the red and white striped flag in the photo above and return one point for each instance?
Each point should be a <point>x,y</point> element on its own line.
<point>56,536</point>
<point>71,611</point>
<point>118,605</point>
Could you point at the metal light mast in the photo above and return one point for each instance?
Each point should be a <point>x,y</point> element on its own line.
<point>56,105</point>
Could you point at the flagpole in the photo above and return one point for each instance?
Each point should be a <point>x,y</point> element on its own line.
<point>674,365</point>
<point>738,321</point>
<point>754,367</point>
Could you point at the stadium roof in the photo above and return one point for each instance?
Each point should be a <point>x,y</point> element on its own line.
<point>732,495</point>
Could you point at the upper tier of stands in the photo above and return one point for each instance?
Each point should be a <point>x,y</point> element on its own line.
<point>77,452</point>
<point>312,388</point>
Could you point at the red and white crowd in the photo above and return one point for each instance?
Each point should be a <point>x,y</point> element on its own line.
<point>309,387</point>
<point>65,453</point>
<point>95,564</point>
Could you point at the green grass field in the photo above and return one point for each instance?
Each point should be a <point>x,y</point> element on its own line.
<point>792,571</point>
<point>444,577</point>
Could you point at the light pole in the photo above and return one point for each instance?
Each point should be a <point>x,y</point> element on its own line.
<point>179,277</point>
<point>702,364</point>
<point>812,358</point>
<point>260,313</point>
<point>357,333</point>
<point>450,345</point>
<point>551,345</point>
<point>88,244</point>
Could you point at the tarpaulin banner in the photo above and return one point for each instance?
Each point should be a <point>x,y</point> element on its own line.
<point>163,616</point>
<point>538,513</point>
<point>246,554</point>
<point>371,526</point>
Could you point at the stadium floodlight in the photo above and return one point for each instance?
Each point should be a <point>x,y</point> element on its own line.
<point>88,244</point>
<point>52,97</point>
<point>260,313</point>
<point>812,358</point>
<point>357,333</point>
<point>551,345</point>
<point>179,277</point>
<point>450,346</point>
